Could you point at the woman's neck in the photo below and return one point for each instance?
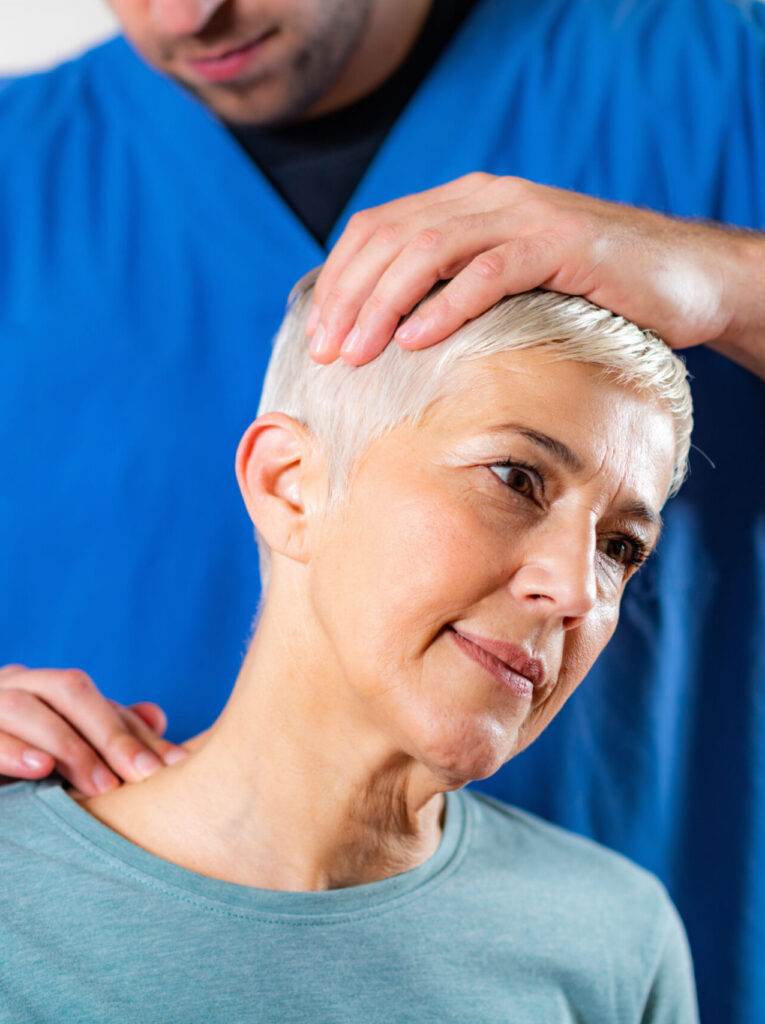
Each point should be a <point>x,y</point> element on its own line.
<point>294,788</point>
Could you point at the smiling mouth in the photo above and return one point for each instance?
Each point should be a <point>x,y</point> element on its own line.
<point>229,63</point>
<point>507,663</point>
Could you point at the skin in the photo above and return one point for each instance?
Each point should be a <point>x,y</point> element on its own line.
<point>356,708</point>
<point>56,719</point>
<point>318,57</point>
<point>693,283</point>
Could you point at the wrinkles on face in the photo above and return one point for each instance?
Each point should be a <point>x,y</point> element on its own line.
<point>432,539</point>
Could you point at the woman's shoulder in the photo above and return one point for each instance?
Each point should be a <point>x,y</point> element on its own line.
<point>574,914</point>
<point>17,803</point>
<point>23,827</point>
<point>513,841</point>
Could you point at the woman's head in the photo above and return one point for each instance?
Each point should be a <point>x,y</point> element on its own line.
<point>346,409</point>
<point>452,529</point>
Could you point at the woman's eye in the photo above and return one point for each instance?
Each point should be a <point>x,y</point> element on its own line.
<point>516,478</point>
<point>624,551</point>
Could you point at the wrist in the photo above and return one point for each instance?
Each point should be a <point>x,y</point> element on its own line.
<point>743,338</point>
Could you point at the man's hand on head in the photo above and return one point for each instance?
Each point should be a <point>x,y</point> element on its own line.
<point>690,282</point>
<point>56,719</point>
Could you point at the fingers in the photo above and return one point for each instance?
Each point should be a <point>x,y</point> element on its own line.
<point>35,726</point>
<point>17,759</point>
<point>168,752</point>
<point>380,292</point>
<point>363,225</point>
<point>95,743</point>
<point>495,236</point>
<point>508,269</point>
<point>126,744</point>
<point>20,761</point>
<point>391,225</point>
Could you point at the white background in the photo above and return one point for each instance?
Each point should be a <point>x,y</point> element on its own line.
<point>36,34</point>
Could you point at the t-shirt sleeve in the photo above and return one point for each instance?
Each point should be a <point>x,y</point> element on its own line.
<point>671,997</point>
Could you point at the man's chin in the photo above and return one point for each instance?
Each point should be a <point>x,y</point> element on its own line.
<point>255,105</point>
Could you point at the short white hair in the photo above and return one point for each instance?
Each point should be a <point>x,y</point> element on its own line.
<point>347,408</point>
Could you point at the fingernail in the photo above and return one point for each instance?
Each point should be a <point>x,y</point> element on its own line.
<point>103,779</point>
<point>409,330</point>
<point>146,763</point>
<point>175,754</point>
<point>352,342</point>
<point>319,345</point>
<point>313,319</point>
<point>35,759</point>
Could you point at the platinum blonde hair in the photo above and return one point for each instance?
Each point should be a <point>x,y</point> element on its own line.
<point>347,408</point>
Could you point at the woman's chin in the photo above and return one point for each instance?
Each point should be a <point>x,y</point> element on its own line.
<point>467,751</point>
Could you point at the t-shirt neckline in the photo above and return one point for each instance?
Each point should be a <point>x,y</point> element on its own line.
<point>182,882</point>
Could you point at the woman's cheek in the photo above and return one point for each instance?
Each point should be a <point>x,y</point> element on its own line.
<point>431,539</point>
<point>588,640</point>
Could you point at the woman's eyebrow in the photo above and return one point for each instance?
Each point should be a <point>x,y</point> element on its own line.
<point>637,509</point>
<point>550,444</point>
<point>634,509</point>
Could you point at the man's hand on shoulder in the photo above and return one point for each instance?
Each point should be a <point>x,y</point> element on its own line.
<point>56,719</point>
<point>691,282</point>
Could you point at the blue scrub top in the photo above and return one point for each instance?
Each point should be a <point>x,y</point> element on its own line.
<point>144,267</point>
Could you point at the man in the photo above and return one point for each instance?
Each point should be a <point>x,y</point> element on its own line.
<point>146,250</point>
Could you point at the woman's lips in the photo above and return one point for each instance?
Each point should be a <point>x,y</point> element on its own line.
<point>508,663</point>
<point>228,65</point>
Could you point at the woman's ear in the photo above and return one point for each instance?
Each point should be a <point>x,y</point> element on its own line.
<point>272,467</point>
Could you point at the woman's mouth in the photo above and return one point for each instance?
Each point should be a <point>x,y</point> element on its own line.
<point>508,663</point>
<point>229,64</point>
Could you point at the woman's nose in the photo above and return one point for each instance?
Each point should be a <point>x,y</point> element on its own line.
<point>557,576</point>
<point>184,17</point>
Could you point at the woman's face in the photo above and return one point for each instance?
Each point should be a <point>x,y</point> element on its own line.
<point>474,572</point>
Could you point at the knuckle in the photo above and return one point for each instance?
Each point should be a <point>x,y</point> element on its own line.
<point>389,234</point>
<point>122,744</point>
<point>428,238</point>
<point>477,178</point>
<point>14,702</point>
<point>361,223</point>
<point>375,303</point>
<point>75,683</point>
<point>489,265</point>
<point>11,669</point>
<point>443,307</point>
<point>384,307</point>
<point>337,303</point>
<point>520,186</point>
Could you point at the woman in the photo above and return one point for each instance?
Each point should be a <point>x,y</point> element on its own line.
<point>445,538</point>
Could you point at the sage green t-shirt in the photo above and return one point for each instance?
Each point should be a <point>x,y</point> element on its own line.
<point>510,920</point>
